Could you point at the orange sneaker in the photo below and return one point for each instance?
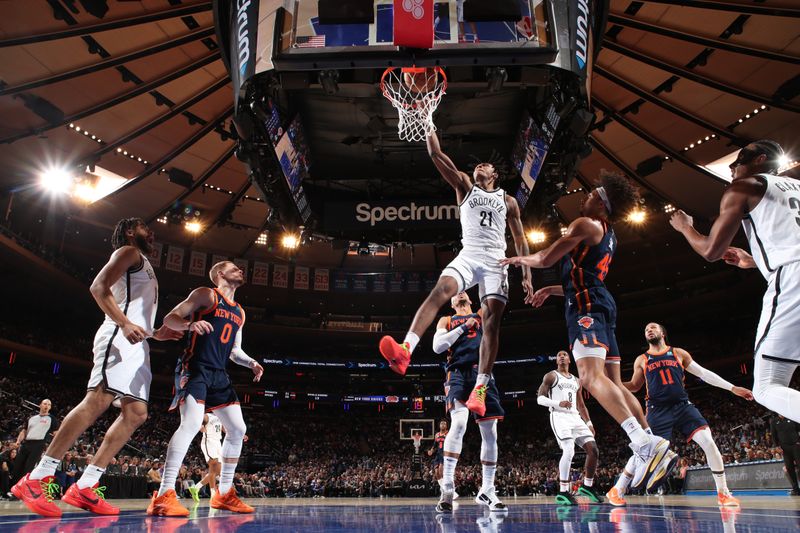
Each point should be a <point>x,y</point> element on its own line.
<point>614,498</point>
<point>230,501</point>
<point>477,400</point>
<point>91,499</point>
<point>38,494</point>
<point>398,355</point>
<point>727,500</point>
<point>166,505</point>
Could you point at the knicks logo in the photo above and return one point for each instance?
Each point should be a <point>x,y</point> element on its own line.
<point>585,322</point>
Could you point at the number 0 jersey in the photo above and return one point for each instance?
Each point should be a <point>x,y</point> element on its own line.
<point>565,388</point>
<point>773,226</point>
<point>664,377</point>
<point>583,271</point>
<point>212,350</point>
<point>483,221</point>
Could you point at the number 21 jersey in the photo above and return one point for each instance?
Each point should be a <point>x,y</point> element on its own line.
<point>483,221</point>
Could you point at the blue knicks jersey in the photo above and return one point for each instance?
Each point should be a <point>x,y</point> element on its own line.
<point>439,443</point>
<point>213,349</point>
<point>664,378</point>
<point>583,271</point>
<point>465,351</point>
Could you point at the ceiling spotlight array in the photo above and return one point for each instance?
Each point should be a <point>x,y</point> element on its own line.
<point>698,142</point>
<point>536,236</point>
<point>563,230</point>
<point>162,219</point>
<point>262,239</point>
<point>85,132</point>
<point>751,114</point>
<point>669,208</point>
<point>290,241</point>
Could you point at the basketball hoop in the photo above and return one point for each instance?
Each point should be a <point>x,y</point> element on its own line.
<point>415,93</point>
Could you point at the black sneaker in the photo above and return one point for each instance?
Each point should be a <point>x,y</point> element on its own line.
<point>795,492</point>
<point>444,507</point>
<point>592,494</point>
<point>565,498</point>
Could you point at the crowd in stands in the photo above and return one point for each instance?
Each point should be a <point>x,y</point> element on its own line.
<point>349,454</point>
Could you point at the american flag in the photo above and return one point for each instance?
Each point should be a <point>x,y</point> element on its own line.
<point>313,41</point>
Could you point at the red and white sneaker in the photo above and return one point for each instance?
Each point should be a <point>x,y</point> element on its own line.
<point>38,494</point>
<point>91,499</point>
<point>477,400</point>
<point>398,355</point>
<point>726,499</point>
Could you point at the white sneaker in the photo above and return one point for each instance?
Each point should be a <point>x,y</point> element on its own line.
<point>441,488</point>
<point>489,497</point>
<point>445,504</point>
<point>657,461</point>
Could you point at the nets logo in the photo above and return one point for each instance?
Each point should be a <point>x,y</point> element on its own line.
<point>585,322</point>
<point>242,37</point>
<point>414,7</point>
<point>582,33</point>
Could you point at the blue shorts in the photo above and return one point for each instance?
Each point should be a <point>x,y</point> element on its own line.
<point>682,416</point>
<point>438,460</point>
<point>209,386</point>
<point>594,330</point>
<point>459,384</point>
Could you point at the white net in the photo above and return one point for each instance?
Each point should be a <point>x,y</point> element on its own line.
<point>415,93</point>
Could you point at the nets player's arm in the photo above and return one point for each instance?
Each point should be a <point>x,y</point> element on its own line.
<point>121,261</point>
<point>582,410</point>
<point>738,257</point>
<point>637,379</point>
<point>203,425</point>
<point>582,230</point>
<point>734,206</point>
<point>544,293</point>
<point>443,339</point>
<point>544,388</point>
<point>457,179</point>
<point>520,243</point>
<point>708,376</point>
<point>239,357</point>
<point>179,318</point>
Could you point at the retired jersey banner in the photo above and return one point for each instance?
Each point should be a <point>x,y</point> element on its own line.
<point>301,278</point>
<point>379,283</point>
<point>175,259</point>
<point>359,283</point>
<point>280,276</point>
<point>396,282</point>
<point>260,272</point>
<point>340,281</point>
<point>197,263</point>
<point>413,282</point>
<point>155,255</point>
<point>321,279</point>
<point>242,263</point>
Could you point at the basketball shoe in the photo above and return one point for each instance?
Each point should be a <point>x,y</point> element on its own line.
<point>726,499</point>
<point>230,502</point>
<point>166,505</point>
<point>657,463</point>
<point>565,498</point>
<point>591,494</point>
<point>615,498</point>
<point>489,497</point>
<point>195,492</point>
<point>90,499</point>
<point>477,400</point>
<point>398,355</point>
<point>38,494</point>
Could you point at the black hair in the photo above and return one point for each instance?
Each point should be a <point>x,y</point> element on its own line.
<point>622,194</point>
<point>501,166</point>
<point>772,150</point>
<point>120,238</point>
<point>663,330</point>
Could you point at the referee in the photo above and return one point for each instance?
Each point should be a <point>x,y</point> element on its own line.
<point>786,434</point>
<point>33,439</point>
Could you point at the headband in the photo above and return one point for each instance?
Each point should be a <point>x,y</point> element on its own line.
<point>603,196</point>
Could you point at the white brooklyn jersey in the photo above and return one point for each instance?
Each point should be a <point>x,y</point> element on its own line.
<point>773,226</point>
<point>565,388</point>
<point>213,433</point>
<point>136,295</point>
<point>483,221</point>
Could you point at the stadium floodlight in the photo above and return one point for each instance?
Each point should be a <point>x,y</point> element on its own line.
<point>637,216</point>
<point>536,236</point>
<point>291,241</point>
<point>56,180</point>
<point>193,227</point>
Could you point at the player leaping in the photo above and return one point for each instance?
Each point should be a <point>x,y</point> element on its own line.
<point>214,322</point>
<point>585,254</point>
<point>662,370</point>
<point>484,211</point>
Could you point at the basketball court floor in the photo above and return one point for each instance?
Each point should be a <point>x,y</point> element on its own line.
<point>774,514</point>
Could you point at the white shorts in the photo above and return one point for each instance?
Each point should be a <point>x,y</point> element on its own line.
<point>119,366</point>
<point>776,336</point>
<point>471,268</point>
<point>568,426</point>
<point>212,449</point>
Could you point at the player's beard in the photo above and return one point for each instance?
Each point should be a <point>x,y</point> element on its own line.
<point>655,341</point>
<point>143,244</point>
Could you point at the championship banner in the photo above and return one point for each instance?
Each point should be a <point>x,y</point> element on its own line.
<point>175,259</point>
<point>216,258</point>
<point>301,278</point>
<point>413,282</point>
<point>242,263</point>
<point>379,283</point>
<point>340,281</point>
<point>280,276</point>
<point>359,283</point>
<point>321,279</point>
<point>155,255</point>
<point>197,263</point>
<point>396,282</point>
<point>413,23</point>
<point>260,273</point>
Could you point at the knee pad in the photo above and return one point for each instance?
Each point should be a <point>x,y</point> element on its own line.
<point>488,440</point>
<point>459,416</point>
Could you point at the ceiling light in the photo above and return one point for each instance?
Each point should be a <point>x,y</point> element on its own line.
<point>56,180</point>
<point>290,241</point>
<point>162,219</point>
<point>262,239</point>
<point>193,227</point>
<point>637,216</point>
<point>536,236</point>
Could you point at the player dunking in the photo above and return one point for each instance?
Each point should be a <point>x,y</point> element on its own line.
<point>484,211</point>
<point>560,391</point>
<point>585,253</point>
<point>461,335</point>
<point>211,446</point>
<point>662,370</point>
<point>126,291</point>
<point>768,207</point>
<point>214,323</point>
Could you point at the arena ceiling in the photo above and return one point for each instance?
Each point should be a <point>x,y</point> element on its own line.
<point>135,87</point>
